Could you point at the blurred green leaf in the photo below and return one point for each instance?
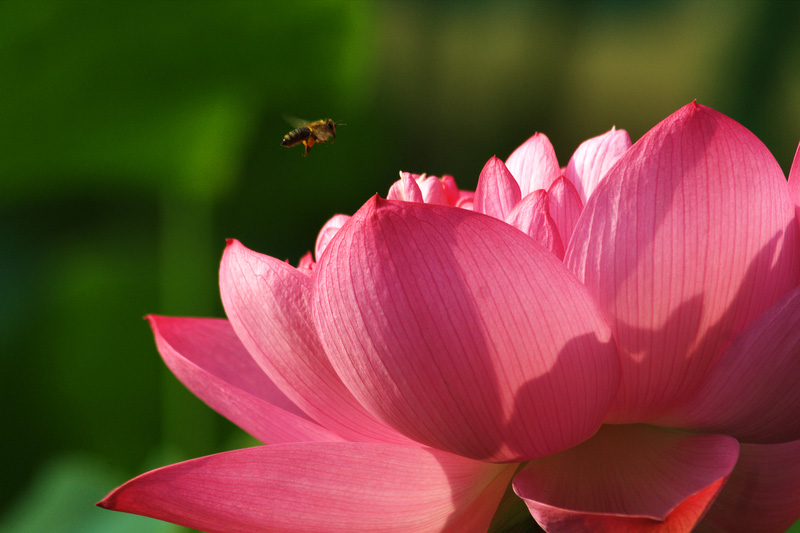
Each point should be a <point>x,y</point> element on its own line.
<point>60,501</point>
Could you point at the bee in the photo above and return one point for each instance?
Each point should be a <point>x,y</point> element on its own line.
<point>309,133</point>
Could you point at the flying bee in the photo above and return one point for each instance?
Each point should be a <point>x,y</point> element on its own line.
<point>309,133</point>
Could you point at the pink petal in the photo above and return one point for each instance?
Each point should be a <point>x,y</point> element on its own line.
<point>497,191</point>
<point>306,264</point>
<point>688,238</point>
<point>267,302</point>
<point>565,207</point>
<point>462,333</point>
<point>206,355</point>
<point>593,158</point>
<point>450,189</point>
<point>406,189</point>
<point>534,164</point>
<point>432,190</point>
<point>332,487</point>
<point>532,216</point>
<point>628,478</point>
<point>752,393</point>
<point>466,200</point>
<point>762,494</point>
<point>794,183</point>
<point>327,232</point>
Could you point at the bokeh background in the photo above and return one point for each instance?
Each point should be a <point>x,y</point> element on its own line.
<point>136,136</point>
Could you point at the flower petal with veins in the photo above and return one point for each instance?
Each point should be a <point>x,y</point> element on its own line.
<point>628,478</point>
<point>762,494</point>
<point>689,237</point>
<point>327,232</point>
<point>497,192</point>
<point>206,355</point>
<point>593,158</point>
<point>462,333</point>
<point>268,304</point>
<point>320,486</point>
<point>565,207</point>
<point>752,394</point>
<point>794,183</point>
<point>534,164</point>
<point>532,217</point>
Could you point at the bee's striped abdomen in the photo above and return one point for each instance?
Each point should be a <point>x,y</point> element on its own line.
<point>296,136</point>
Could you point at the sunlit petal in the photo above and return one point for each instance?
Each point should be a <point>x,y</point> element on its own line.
<point>497,192</point>
<point>267,302</point>
<point>534,164</point>
<point>462,333</point>
<point>532,216</point>
<point>206,355</point>
<point>565,207</point>
<point>332,487</point>
<point>593,158</point>
<point>688,238</point>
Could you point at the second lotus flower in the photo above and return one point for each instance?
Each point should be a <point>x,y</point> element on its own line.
<point>612,345</point>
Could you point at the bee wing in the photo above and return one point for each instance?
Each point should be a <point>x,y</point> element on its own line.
<point>296,122</point>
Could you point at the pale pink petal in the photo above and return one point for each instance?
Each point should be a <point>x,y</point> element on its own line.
<point>565,207</point>
<point>450,189</point>
<point>687,239</point>
<point>332,487</point>
<point>753,393</point>
<point>628,478</point>
<point>532,216</point>
<point>327,232</point>
<point>794,183</point>
<point>534,164</point>
<point>432,190</point>
<point>268,304</point>
<point>762,494</point>
<point>405,189</point>
<point>497,192</point>
<point>462,333</point>
<point>206,355</point>
<point>593,158</point>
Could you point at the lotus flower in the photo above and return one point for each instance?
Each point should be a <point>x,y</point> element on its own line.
<point>611,346</point>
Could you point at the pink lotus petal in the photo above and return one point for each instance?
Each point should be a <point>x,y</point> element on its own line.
<point>628,478</point>
<point>794,183</point>
<point>267,302</point>
<point>462,333</point>
<point>450,189</point>
<point>306,264</point>
<point>688,238</point>
<point>532,216</point>
<point>327,232</point>
<point>331,487</point>
<point>762,494</point>
<point>753,393</point>
<point>406,189</point>
<point>206,355</point>
<point>565,207</point>
<point>593,158</point>
<point>497,192</point>
<point>466,200</point>
<point>432,190</point>
<point>534,164</point>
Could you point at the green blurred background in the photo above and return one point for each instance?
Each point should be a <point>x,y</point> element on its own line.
<point>136,137</point>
